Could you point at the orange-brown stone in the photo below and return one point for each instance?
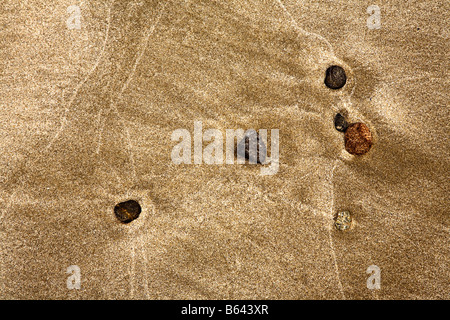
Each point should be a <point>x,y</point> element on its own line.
<point>358,139</point>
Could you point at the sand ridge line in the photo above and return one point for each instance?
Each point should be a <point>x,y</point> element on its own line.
<point>67,109</point>
<point>333,251</point>
<point>82,83</point>
<point>307,33</point>
<point>125,86</point>
<point>347,102</point>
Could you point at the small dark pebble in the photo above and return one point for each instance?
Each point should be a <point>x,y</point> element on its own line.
<point>127,211</point>
<point>249,153</point>
<point>340,123</point>
<point>335,77</point>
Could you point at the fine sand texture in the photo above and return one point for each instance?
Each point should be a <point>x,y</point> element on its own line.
<point>86,118</point>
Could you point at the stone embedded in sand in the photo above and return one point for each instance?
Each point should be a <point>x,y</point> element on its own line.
<point>358,139</point>
<point>340,123</point>
<point>335,77</point>
<point>127,211</point>
<point>254,150</point>
<point>343,220</point>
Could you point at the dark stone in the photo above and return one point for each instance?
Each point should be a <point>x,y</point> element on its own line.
<point>127,211</point>
<point>340,123</point>
<point>335,77</point>
<point>254,149</point>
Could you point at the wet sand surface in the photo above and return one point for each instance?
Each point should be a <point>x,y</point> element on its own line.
<point>86,122</point>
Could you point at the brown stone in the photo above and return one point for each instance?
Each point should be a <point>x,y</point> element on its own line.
<point>127,211</point>
<point>358,139</point>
